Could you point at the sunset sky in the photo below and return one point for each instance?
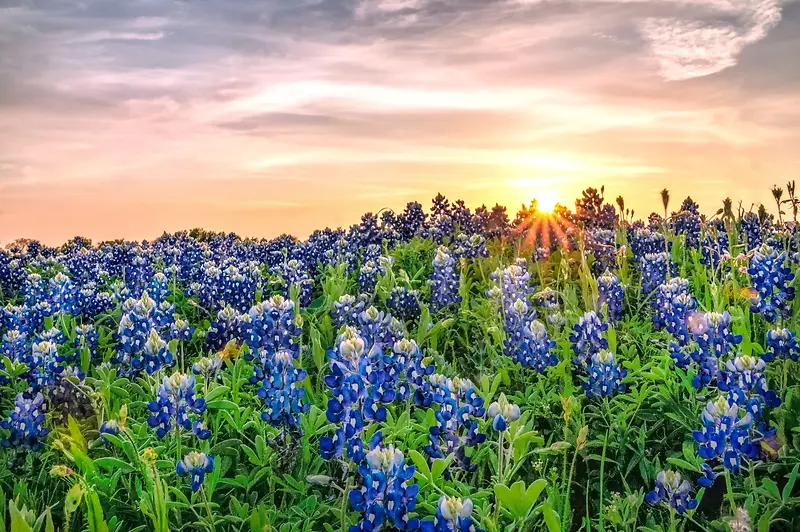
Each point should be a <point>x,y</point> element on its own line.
<point>128,118</point>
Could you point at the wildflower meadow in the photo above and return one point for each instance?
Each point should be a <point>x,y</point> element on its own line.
<point>435,369</point>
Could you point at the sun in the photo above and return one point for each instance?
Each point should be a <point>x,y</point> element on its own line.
<point>546,199</point>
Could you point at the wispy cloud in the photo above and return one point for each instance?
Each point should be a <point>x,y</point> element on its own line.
<point>693,47</point>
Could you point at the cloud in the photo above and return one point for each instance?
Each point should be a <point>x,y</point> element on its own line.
<point>97,36</point>
<point>689,48</point>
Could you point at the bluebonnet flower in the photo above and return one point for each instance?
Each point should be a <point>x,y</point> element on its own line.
<point>404,304</point>
<point>139,316</point>
<point>158,287</point>
<point>14,318</point>
<point>453,514</point>
<point>781,343</point>
<point>712,332</point>
<point>90,302</point>
<point>294,275</point>
<point>36,315</point>
<point>52,335</point>
<point>517,317</point>
<point>154,354</point>
<point>176,401</point>
<point>238,284</point>
<point>654,268</point>
<point>111,427</point>
<point>470,246</point>
<point>536,349</point>
<point>771,278</point>
<point>45,364</point>
<point>412,221</point>
<point>751,230</point>
<point>181,330</point>
<point>744,379</point>
<point>368,276</point>
<point>587,339</point>
<point>208,367</point>
<point>548,300</point>
<point>456,427</point>
<point>387,495</point>
<point>163,315</point>
<point>707,370</point>
<point>687,222</point>
<point>673,491</point>
<point>195,465</point>
<point>224,328</point>
<point>62,294</point>
<point>358,394</point>
<point>672,305</point>
<point>408,361</point>
<point>12,273</point>
<point>282,391</point>
<point>25,423</point>
<point>514,283</point>
<point>644,242</point>
<point>605,376</point>
<point>612,295</point>
<point>34,290</point>
<point>602,244</point>
<point>138,272</point>
<point>709,476</point>
<point>502,413</point>
<point>444,280</point>
<point>119,292</point>
<point>373,324</point>
<point>716,245</point>
<point>725,434</point>
<point>346,310</point>
<point>15,345</point>
<point>268,328</point>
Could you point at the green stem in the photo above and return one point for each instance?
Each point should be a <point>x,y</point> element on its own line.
<point>500,444</point>
<point>729,487</point>
<point>602,475</point>
<point>785,373</point>
<point>208,508</point>
<point>178,446</point>
<point>566,508</point>
<point>343,515</point>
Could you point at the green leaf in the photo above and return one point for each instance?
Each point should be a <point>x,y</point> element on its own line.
<point>97,522</point>
<point>764,523</point>
<point>611,334</point>
<point>421,463</point>
<point>76,434</point>
<point>551,519</point>
<point>48,521</point>
<point>516,499</point>
<point>683,464</point>
<point>222,404</point>
<point>112,463</point>
<point>771,488</point>
<point>217,392</point>
<point>73,499</point>
<point>440,465</point>
<point>227,448</point>
<point>787,489</point>
<point>18,521</point>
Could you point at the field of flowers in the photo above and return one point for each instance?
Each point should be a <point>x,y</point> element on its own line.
<point>435,370</point>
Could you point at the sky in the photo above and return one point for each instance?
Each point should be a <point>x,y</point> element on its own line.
<point>125,119</point>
